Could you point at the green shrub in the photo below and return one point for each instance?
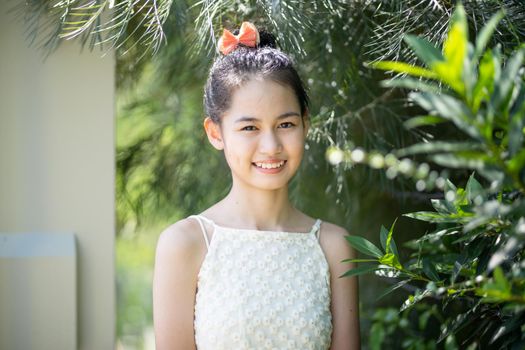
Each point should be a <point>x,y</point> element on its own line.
<point>472,262</point>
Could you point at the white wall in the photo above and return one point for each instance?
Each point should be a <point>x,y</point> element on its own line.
<point>57,168</point>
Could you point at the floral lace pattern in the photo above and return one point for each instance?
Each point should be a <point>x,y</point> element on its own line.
<point>263,290</point>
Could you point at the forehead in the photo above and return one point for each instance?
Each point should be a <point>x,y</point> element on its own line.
<point>261,98</point>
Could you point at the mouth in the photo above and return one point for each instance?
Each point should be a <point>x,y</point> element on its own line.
<point>270,167</point>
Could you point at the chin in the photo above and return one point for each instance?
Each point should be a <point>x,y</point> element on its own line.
<point>271,184</point>
<point>268,184</point>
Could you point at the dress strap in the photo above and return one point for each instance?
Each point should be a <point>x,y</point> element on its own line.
<point>199,219</point>
<point>316,228</point>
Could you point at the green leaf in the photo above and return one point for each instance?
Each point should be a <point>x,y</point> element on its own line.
<point>452,161</point>
<point>423,121</point>
<point>458,266</point>
<point>437,146</point>
<point>413,299</point>
<point>485,83</point>
<point>436,236</point>
<point>449,186</point>
<point>450,75</point>
<point>410,83</point>
<point>427,52</point>
<point>504,85</point>
<point>517,124</point>
<point>473,189</point>
<point>498,289</point>
<point>517,163</point>
<point>392,288</point>
<point>460,199</point>
<point>454,51</point>
<point>405,68</point>
<point>470,75</point>
<point>459,21</point>
<point>387,241</point>
<point>430,270</point>
<point>430,216</point>
<point>364,246</point>
<point>391,260</point>
<point>443,206</point>
<point>383,234</point>
<point>358,271</point>
<point>486,32</point>
<point>449,108</point>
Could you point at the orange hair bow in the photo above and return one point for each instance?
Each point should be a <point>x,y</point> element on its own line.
<point>248,36</point>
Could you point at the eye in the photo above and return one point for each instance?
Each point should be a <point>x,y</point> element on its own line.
<point>249,126</point>
<point>288,123</point>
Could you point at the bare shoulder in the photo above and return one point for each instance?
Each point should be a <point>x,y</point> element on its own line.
<point>335,244</point>
<point>333,230</point>
<point>333,234</point>
<point>181,238</point>
<point>181,242</point>
<point>178,249</point>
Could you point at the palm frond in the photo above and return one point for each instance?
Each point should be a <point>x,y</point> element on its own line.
<point>98,22</point>
<point>430,18</point>
<point>124,24</point>
<point>394,20</point>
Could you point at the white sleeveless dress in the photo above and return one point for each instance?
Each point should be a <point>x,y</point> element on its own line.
<point>262,290</point>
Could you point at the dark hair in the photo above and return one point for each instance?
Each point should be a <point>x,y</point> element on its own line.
<point>231,71</point>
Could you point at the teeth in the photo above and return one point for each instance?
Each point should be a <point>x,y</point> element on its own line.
<point>270,166</point>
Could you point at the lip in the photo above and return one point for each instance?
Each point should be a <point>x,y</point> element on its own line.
<point>272,170</point>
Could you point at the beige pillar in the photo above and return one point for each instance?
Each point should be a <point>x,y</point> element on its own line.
<point>57,164</point>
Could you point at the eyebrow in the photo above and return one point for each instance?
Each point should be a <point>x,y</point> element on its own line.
<point>252,119</point>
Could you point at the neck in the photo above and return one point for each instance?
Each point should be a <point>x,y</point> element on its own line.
<point>257,208</point>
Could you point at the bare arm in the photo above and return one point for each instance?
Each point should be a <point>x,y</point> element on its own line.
<point>174,286</point>
<point>345,291</point>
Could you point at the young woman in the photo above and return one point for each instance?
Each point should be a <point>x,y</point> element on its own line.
<point>252,271</point>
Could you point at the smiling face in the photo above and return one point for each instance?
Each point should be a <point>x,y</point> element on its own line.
<point>262,134</point>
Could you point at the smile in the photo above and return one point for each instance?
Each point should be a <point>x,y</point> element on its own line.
<point>270,165</point>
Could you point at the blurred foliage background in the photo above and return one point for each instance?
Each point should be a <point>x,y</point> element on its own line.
<point>166,169</point>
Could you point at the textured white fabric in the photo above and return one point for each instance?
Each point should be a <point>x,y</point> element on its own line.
<point>263,290</point>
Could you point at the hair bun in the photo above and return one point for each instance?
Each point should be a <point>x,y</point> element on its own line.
<point>266,39</point>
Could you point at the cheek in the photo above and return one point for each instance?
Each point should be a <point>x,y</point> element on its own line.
<point>295,143</point>
<point>238,149</point>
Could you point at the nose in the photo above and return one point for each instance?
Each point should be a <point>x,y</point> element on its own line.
<point>270,143</point>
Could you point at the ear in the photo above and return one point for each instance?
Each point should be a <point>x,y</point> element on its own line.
<point>213,131</point>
